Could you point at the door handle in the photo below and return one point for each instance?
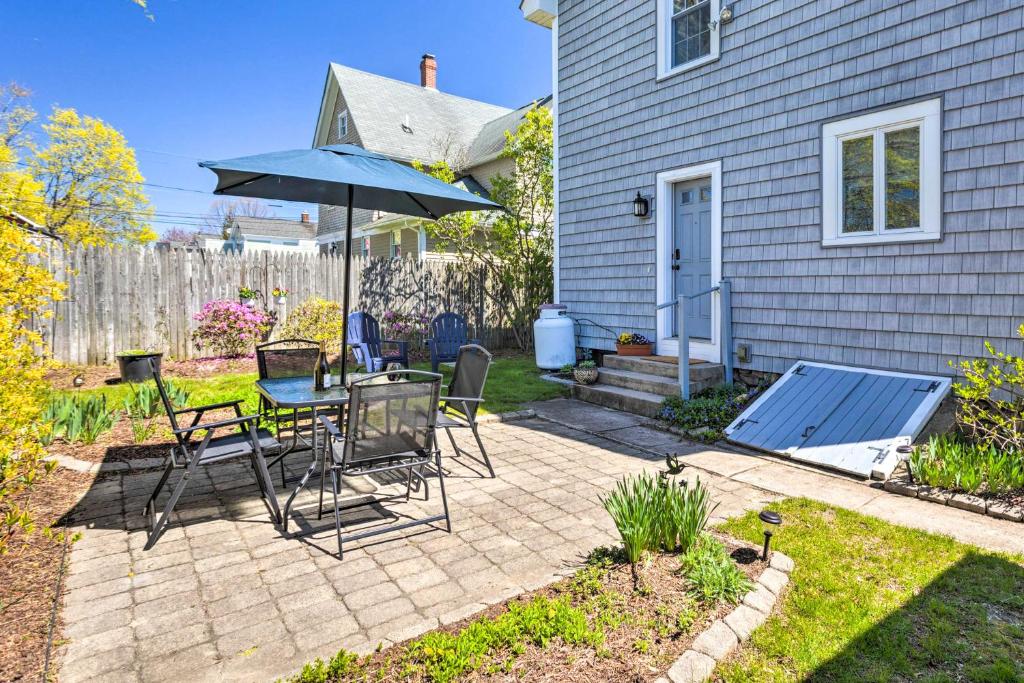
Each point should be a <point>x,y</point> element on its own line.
<point>675,254</point>
<point>675,266</point>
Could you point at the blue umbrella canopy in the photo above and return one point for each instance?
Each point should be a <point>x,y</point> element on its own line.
<point>326,175</point>
<point>343,175</point>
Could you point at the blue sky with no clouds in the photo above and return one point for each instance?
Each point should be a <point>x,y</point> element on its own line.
<point>223,78</point>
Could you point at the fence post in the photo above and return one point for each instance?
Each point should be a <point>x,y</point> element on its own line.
<point>725,288</point>
<point>684,347</point>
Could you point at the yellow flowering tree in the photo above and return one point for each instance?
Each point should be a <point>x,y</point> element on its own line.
<point>92,188</point>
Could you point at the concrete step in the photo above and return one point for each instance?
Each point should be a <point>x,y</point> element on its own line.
<point>705,373</point>
<point>654,384</point>
<point>619,398</point>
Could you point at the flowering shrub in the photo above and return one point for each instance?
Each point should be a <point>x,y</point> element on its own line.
<point>631,339</point>
<point>410,327</point>
<point>229,328</point>
<point>316,319</point>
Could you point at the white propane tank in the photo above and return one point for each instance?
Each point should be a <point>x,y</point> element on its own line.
<point>554,338</point>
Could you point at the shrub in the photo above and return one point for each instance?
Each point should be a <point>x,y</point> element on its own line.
<point>316,319</point>
<point>991,407</point>
<point>229,328</point>
<point>950,463</point>
<point>712,574</point>
<point>410,327</point>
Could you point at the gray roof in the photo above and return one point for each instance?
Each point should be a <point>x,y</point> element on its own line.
<point>379,106</point>
<point>275,227</point>
<point>490,140</point>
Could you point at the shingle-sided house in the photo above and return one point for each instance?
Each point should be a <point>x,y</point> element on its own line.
<point>854,168</point>
<point>249,233</point>
<point>408,122</point>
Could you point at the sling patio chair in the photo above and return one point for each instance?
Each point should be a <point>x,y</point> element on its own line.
<point>188,453</point>
<point>464,394</point>
<point>448,333</point>
<point>279,359</point>
<point>369,349</point>
<point>389,429</point>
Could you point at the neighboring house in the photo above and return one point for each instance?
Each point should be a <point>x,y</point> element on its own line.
<point>408,122</point>
<point>198,241</point>
<point>854,169</point>
<point>246,233</point>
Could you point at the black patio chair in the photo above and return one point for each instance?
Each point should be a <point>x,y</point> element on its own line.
<point>282,359</point>
<point>389,429</point>
<point>249,442</point>
<point>464,394</point>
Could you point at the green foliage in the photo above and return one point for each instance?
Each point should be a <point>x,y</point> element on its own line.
<point>144,404</point>
<point>651,513</point>
<point>991,407</point>
<point>951,463</point>
<point>515,246</point>
<point>586,364</point>
<point>712,574</point>
<point>316,319</point>
<point>76,419</point>
<point>712,409</point>
<point>342,665</point>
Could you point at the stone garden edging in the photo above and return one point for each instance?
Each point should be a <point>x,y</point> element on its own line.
<point>69,462</point>
<point>998,509</point>
<point>726,634</point>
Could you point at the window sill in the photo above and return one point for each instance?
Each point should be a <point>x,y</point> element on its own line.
<point>891,238</point>
<point>683,68</point>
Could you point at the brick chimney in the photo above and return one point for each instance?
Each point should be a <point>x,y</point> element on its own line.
<point>428,71</point>
<point>305,216</point>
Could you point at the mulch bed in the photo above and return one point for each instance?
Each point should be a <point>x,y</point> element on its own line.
<point>96,376</point>
<point>28,577</point>
<point>619,659</point>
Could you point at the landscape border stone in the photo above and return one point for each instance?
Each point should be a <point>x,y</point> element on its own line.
<point>998,509</point>
<point>724,635</point>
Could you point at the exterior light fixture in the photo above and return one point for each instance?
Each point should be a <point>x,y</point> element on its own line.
<point>78,381</point>
<point>769,520</point>
<point>725,16</point>
<point>641,207</point>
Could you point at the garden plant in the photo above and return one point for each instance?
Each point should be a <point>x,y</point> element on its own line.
<point>229,328</point>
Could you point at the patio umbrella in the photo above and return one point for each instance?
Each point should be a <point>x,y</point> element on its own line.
<point>343,175</point>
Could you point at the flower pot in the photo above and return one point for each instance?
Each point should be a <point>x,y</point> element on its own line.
<point>135,367</point>
<point>282,300</point>
<point>251,303</point>
<point>634,349</point>
<point>585,375</point>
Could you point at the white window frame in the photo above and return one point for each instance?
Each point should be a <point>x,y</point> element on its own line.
<point>927,116</point>
<point>395,244</point>
<point>665,68</point>
<point>342,123</point>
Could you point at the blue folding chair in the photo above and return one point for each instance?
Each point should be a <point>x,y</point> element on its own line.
<point>448,333</point>
<point>368,347</point>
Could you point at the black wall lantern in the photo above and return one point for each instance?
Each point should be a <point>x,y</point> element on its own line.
<point>641,207</point>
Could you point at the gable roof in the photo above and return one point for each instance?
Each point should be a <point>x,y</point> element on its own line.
<point>275,227</point>
<point>408,122</point>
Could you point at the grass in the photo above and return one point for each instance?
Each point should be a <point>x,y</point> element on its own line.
<point>511,382</point>
<point>871,601</point>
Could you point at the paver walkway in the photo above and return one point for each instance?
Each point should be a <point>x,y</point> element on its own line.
<point>223,596</point>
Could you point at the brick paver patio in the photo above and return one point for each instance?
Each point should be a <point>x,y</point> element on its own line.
<point>224,596</point>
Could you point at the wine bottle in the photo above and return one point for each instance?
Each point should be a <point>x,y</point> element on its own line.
<point>321,370</point>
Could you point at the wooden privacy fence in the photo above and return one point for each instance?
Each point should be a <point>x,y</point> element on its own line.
<point>138,297</point>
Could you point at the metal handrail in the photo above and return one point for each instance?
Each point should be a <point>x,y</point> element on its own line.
<point>724,288</point>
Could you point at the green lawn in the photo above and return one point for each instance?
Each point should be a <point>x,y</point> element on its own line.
<point>511,382</point>
<point>871,601</point>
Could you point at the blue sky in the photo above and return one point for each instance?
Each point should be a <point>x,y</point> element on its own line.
<point>222,78</point>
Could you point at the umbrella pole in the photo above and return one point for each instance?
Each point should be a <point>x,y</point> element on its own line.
<point>346,295</point>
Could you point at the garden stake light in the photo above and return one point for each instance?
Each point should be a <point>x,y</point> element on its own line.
<point>769,520</point>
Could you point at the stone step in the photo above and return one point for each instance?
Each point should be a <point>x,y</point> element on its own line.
<point>655,384</point>
<point>619,398</point>
<point>709,373</point>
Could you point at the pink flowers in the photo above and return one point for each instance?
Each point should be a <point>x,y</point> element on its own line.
<point>229,328</point>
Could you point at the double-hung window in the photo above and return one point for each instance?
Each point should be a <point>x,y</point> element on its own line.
<point>688,34</point>
<point>882,176</point>
<point>395,249</point>
<point>342,124</point>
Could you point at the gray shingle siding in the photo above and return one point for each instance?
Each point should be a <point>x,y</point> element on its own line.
<point>785,67</point>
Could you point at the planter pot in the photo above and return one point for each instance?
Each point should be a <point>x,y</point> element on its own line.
<point>251,303</point>
<point>136,368</point>
<point>282,300</point>
<point>585,375</point>
<point>634,349</point>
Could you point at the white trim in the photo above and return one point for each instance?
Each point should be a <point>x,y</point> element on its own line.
<point>664,44</point>
<point>342,117</point>
<point>555,231</point>
<point>666,345</point>
<point>928,116</point>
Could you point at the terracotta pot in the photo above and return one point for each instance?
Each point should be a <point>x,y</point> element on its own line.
<point>585,375</point>
<point>634,349</point>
